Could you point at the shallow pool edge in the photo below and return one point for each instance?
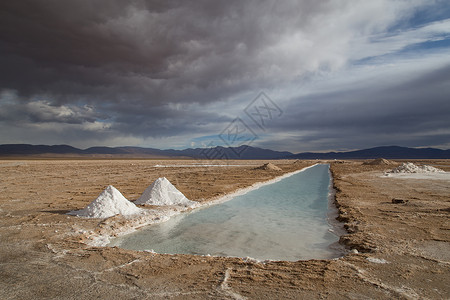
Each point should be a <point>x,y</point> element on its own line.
<point>336,227</point>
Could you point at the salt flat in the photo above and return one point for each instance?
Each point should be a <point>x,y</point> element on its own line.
<point>398,250</point>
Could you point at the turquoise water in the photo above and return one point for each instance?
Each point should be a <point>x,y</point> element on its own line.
<point>286,220</point>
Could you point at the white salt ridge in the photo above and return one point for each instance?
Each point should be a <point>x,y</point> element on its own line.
<point>109,203</point>
<point>409,168</point>
<point>377,260</point>
<point>162,192</point>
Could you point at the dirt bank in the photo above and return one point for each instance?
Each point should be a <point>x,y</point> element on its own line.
<point>403,248</point>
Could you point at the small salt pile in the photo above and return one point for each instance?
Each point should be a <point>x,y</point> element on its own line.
<point>408,168</point>
<point>379,161</point>
<point>162,192</point>
<point>268,167</point>
<point>109,203</point>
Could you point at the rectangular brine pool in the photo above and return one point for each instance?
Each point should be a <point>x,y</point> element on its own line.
<point>285,220</point>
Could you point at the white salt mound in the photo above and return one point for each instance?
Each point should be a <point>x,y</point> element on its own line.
<point>408,168</point>
<point>109,203</point>
<point>379,161</point>
<point>268,166</point>
<point>162,192</point>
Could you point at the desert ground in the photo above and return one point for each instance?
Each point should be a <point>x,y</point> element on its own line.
<point>394,250</point>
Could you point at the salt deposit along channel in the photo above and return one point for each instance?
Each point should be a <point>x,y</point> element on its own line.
<point>285,220</point>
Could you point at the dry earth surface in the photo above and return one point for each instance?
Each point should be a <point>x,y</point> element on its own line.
<point>400,250</point>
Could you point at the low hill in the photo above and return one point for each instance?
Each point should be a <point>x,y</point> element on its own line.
<point>26,149</point>
<point>242,152</point>
<point>387,152</point>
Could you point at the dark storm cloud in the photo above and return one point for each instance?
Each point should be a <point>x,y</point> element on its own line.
<point>163,121</point>
<point>141,50</point>
<point>44,112</point>
<point>415,112</point>
<point>105,70</point>
<point>129,60</point>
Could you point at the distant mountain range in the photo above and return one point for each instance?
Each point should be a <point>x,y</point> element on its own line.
<point>242,152</point>
<point>389,152</point>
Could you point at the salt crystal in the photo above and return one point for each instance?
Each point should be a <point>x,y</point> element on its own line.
<point>162,192</point>
<point>408,168</point>
<point>109,203</point>
<point>377,260</point>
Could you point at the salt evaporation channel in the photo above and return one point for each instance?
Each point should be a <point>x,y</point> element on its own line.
<point>286,220</point>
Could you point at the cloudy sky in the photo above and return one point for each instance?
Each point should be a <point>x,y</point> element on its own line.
<point>287,75</point>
